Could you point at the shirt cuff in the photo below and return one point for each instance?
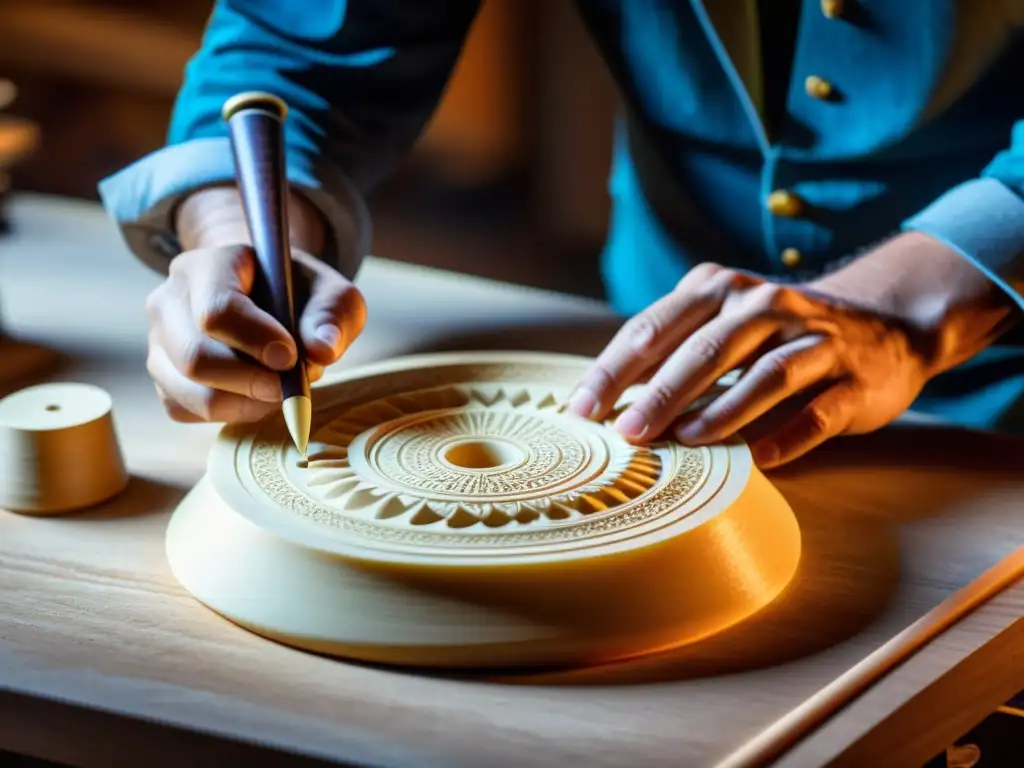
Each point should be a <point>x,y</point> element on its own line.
<point>983,220</point>
<point>142,199</point>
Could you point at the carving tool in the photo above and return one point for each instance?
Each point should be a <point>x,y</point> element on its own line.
<point>255,126</point>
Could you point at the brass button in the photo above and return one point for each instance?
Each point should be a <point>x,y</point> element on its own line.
<point>783,203</point>
<point>832,8</point>
<point>791,258</point>
<point>817,87</point>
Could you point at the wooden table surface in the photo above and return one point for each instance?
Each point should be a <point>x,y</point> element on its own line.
<point>105,660</point>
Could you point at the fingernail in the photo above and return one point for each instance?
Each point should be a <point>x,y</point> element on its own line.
<point>583,403</point>
<point>266,390</point>
<point>329,335</point>
<point>632,424</point>
<point>276,355</point>
<point>765,454</point>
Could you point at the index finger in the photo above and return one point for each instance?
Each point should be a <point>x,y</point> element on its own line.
<point>652,335</point>
<point>701,361</point>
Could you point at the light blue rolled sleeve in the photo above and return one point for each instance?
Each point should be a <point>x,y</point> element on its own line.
<point>360,77</point>
<point>142,199</point>
<point>983,219</point>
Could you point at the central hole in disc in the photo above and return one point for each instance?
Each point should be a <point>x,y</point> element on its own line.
<point>53,407</point>
<point>482,454</point>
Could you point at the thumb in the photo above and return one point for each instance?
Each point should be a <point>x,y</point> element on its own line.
<point>333,317</point>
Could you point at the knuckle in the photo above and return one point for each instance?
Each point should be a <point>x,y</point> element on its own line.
<point>218,313</point>
<point>705,348</point>
<point>177,265</point>
<point>704,271</point>
<point>642,332</point>
<point>192,361</point>
<point>659,397</point>
<point>733,279</point>
<point>779,298</point>
<point>720,286</point>
<point>825,345</point>
<point>818,419</point>
<point>238,256</point>
<point>240,261</point>
<point>774,372</point>
<point>180,264</point>
<point>770,298</point>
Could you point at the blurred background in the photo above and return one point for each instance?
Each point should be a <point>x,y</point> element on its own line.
<point>508,181</point>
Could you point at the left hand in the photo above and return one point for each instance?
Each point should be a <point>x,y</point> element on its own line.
<point>869,367</point>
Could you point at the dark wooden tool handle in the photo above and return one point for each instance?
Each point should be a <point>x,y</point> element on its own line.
<point>257,143</point>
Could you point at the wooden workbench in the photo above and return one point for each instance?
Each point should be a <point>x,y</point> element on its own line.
<point>105,660</point>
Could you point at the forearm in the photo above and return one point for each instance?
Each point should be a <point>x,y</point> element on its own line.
<point>953,309</point>
<point>214,216</point>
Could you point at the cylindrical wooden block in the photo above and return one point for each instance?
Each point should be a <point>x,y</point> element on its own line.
<point>58,449</point>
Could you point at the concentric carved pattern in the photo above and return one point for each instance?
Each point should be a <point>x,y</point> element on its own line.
<point>472,459</point>
<point>473,455</point>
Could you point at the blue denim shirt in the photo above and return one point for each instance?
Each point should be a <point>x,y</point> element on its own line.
<point>920,132</point>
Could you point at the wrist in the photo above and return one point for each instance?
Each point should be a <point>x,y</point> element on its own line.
<point>214,216</point>
<point>950,306</point>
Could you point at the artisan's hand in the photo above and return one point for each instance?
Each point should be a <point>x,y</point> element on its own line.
<point>202,316</point>
<point>866,364</point>
<point>213,353</point>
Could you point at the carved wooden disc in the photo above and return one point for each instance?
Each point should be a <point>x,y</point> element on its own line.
<point>452,513</point>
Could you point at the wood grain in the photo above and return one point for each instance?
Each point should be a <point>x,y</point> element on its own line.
<point>894,523</point>
<point>773,742</point>
<point>935,697</point>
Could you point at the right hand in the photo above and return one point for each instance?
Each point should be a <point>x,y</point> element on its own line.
<point>202,315</point>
